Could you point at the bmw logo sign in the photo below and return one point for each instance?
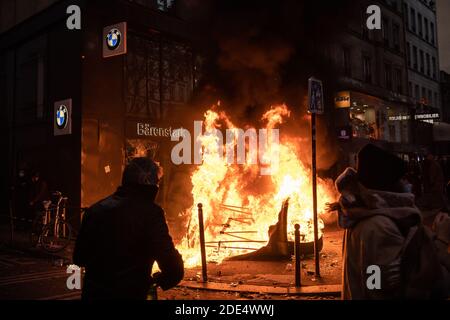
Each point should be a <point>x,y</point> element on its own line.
<point>62,115</point>
<point>113,39</point>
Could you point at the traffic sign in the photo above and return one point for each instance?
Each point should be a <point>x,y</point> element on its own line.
<point>315,96</point>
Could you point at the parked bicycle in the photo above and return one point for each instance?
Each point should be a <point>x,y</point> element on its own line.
<point>50,230</point>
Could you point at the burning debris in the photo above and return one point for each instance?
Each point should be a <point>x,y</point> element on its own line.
<point>278,247</point>
<point>239,205</point>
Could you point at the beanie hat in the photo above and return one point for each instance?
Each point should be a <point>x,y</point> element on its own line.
<point>379,169</point>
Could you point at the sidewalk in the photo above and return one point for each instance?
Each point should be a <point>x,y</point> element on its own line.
<point>21,242</point>
<point>243,278</point>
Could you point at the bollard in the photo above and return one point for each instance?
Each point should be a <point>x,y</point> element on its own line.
<point>298,266</point>
<point>202,242</point>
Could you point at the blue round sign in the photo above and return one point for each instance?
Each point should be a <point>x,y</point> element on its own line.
<point>62,115</point>
<point>113,39</point>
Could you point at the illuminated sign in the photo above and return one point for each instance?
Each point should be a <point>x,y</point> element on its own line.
<point>399,117</point>
<point>62,117</point>
<point>342,100</point>
<point>145,130</point>
<point>427,116</point>
<point>115,40</point>
<point>423,117</point>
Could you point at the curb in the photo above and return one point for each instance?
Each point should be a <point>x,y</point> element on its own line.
<point>323,290</point>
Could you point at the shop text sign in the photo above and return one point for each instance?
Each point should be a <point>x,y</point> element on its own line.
<point>147,130</point>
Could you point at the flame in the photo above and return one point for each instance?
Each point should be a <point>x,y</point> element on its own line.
<point>238,204</point>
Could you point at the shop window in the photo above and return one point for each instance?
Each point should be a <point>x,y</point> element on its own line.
<point>140,148</point>
<point>363,122</point>
<point>159,74</point>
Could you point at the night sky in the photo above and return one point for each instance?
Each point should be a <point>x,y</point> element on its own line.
<point>443,12</point>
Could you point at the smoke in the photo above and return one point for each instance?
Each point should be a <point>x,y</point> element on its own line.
<point>261,53</point>
<point>258,53</point>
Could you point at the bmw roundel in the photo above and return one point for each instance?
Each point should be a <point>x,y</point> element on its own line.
<point>62,115</point>
<point>113,39</point>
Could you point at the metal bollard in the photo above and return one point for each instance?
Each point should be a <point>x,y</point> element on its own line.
<point>202,242</point>
<point>298,265</point>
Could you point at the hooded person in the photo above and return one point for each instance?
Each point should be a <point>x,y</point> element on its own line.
<point>123,235</point>
<point>387,252</point>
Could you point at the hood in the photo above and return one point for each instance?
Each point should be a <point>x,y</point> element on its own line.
<point>358,202</point>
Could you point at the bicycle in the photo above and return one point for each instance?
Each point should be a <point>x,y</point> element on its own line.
<point>50,230</point>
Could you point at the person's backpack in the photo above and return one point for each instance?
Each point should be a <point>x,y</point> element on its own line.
<point>421,271</point>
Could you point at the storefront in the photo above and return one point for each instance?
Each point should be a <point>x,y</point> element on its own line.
<point>122,104</point>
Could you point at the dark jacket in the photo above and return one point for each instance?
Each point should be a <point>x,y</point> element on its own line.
<point>120,239</point>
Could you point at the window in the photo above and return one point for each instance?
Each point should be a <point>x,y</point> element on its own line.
<point>386,32</point>
<point>367,69</point>
<point>419,23</point>
<point>388,76</point>
<point>436,100</point>
<point>415,57</point>
<point>413,19</point>
<point>427,31</point>
<point>396,36</point>
<point>347,62</point>
<point>417,92</point>
<point>405,13</point>
<point>432,32</point>
<point>408,54</point>
<point>424,95</point>
<point>422,62</point>
<point>398,80</point>
<point>428,65</point>
<point>430,98</point>
<point>410,89</point>
<point>434,67</point>
<point>392,133</point>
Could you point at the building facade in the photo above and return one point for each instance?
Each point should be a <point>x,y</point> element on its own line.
<point>422,54</point>
<point>120,107</point>
<point>373,102</point>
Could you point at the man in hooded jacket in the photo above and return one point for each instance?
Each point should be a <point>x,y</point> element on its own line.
<point>123,235</point>
<point>384,229</point>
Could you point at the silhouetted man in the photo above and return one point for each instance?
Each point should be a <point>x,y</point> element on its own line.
<point>123,235</point>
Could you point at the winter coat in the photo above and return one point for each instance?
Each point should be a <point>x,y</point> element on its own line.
<point>120,239</point>
<point>384,229</point>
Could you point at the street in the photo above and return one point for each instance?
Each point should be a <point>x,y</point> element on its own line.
<point>30,274</point>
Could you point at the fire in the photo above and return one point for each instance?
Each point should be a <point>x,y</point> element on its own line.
<point>239,204</point>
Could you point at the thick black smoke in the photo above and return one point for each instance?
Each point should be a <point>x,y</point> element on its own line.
<point>258,53</point>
